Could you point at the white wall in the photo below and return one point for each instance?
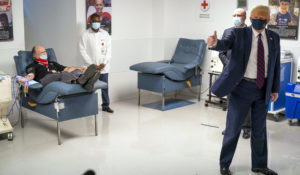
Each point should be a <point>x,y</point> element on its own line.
<point>53,25</point>
<point>10,48</point>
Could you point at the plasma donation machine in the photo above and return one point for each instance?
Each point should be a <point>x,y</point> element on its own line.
<point>5,103</point>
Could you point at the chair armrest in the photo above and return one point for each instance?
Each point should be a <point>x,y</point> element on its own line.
<point>164,61</point>
<point>33,85</point>
<point>190,66</point>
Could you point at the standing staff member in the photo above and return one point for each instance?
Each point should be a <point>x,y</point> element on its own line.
<point>95,48</point>
<point>252,78</point>
<point>239,18</point>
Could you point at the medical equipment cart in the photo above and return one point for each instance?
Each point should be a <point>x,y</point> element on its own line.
<point>286,67</point>
<point>5,101</point>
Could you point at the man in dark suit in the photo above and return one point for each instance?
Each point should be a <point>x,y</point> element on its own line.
<point>252,78</point>
<point>239,18</point>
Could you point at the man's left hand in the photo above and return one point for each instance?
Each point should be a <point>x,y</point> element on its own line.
<point>274,97</point>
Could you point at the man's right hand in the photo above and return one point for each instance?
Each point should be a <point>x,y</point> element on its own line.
<point>100,67</point>
<point>212,40</point>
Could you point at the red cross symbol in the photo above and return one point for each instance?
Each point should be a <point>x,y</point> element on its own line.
<point>204,4</point>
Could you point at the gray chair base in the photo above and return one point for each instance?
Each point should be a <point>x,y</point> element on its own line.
<point>162,85</point>
<point>66,108</point>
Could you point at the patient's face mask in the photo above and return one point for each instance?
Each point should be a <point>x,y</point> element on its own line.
<point>44,57</point>
<point>237,21</point>
<point>96,25</point>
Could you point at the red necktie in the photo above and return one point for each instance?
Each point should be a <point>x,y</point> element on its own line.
<point>260,80</point>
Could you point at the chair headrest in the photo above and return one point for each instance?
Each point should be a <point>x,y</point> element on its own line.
<point>189,51</point>
<point>24,58</point>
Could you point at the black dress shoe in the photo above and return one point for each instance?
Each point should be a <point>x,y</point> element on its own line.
<point>246,134</point>
<point>265,171</point>
<point>107,109</point>
<point>225,171</point>
<point>90,71</point>
<point>89,86</point>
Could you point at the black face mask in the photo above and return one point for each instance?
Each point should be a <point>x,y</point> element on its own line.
<point>259,24</point>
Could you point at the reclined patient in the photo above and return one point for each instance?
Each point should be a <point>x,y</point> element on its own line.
<point>45,71</point>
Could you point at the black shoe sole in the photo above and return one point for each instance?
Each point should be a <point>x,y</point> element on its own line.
<point>90,71</point>
<point>89,86</point>
<point>255,170</point>
<point>246,136</point>
<point>109,111</point>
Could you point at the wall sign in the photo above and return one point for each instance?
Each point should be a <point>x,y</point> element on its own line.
<point>242,4</point>
<point>205,9</point>
<point>103,9</point>
<point>284,18</point>
<point>6,23</point>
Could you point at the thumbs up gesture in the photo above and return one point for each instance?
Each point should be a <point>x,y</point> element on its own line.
<point>212,40</point>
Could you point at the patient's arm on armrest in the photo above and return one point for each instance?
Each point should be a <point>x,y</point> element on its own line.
<point>30,82</point>
<point>28,78</point>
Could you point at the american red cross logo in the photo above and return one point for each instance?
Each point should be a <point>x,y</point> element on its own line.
<point>204,4</point>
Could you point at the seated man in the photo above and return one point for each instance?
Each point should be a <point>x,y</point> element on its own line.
<point>45,71</point>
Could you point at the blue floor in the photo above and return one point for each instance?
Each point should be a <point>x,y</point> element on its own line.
<point>169,104</point>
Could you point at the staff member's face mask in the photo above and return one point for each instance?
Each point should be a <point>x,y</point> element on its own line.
<point>96,25</point>
<point>237,21</point>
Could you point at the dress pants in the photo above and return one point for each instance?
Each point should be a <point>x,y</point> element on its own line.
<point>104,92</point>
<point>246,95</point>
<point>66,77</point>
<point>247,122</point>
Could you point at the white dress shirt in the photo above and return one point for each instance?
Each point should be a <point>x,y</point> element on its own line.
<point>95,48</point>
<point>251,70</point>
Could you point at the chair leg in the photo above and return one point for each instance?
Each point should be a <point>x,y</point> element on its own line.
<point>139,97</point>
<point>21,117</point>
<point>20,111</point>
<point>199,92</point>
<point>58,133</point>
<point>96,126</point>
<point>199,89</point>
<point>163,102</point>
<point>56,106</point>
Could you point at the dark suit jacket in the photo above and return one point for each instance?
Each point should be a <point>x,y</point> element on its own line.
<point>225,55</point>
<point>240,41</point>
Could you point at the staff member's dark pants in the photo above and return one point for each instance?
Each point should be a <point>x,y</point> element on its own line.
<point>244,96</point>
<point>104,92</point>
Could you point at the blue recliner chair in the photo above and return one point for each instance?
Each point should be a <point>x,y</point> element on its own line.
<point>57,100</point>
<point>182,71</point>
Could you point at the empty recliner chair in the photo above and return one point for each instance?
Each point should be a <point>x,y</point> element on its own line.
<point>182,71</point>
